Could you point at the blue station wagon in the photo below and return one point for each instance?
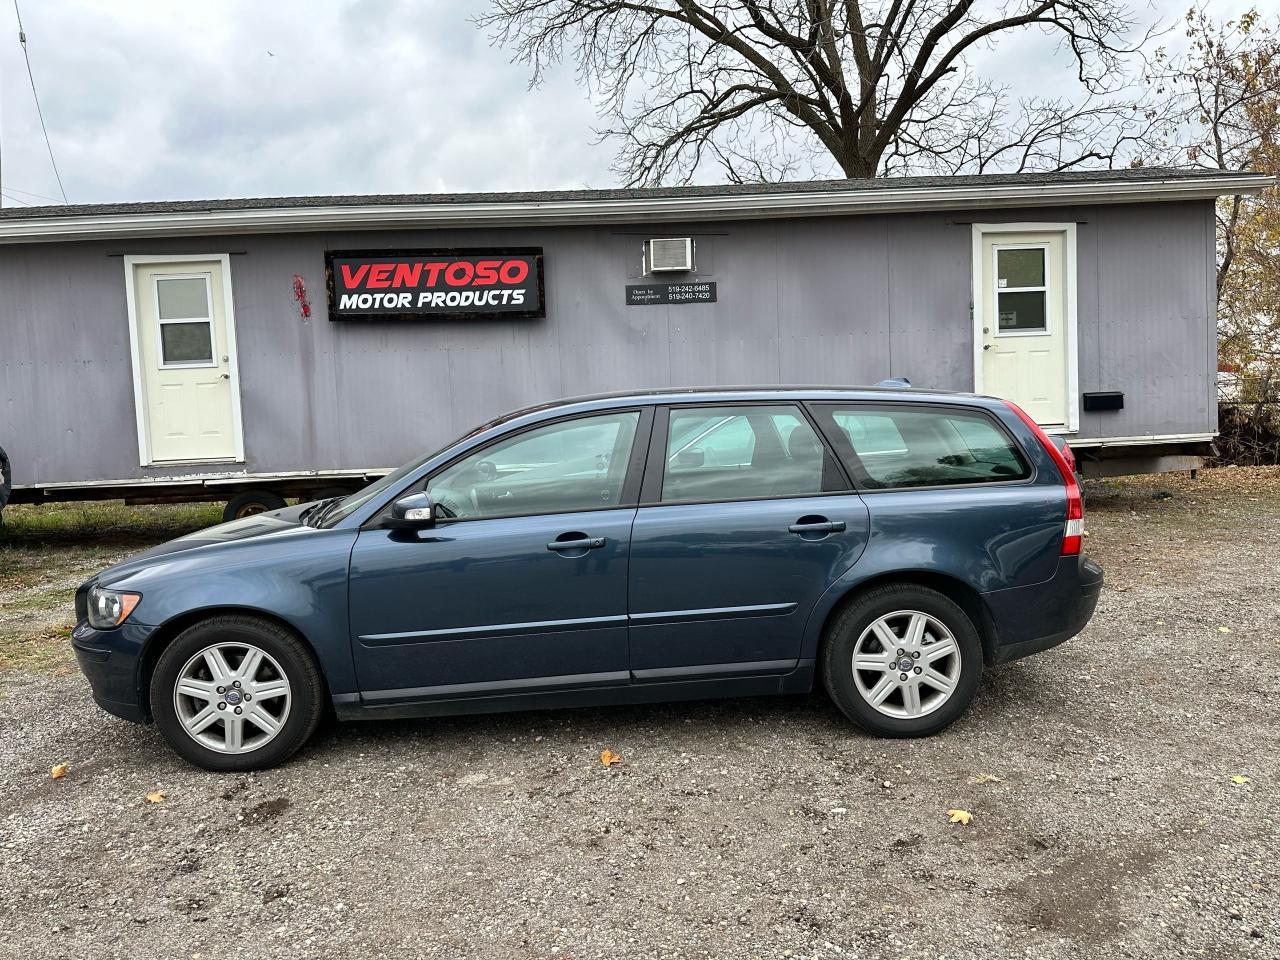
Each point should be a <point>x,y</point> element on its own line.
<point>886,543</point>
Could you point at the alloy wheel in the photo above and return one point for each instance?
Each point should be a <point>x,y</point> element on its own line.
<point>906,664</point>
<point>232,697</point>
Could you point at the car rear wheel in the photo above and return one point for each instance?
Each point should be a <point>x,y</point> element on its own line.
<point>236,693</point>
<point>902,660</point>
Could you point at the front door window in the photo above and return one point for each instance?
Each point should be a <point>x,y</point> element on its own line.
<point>568,466</point>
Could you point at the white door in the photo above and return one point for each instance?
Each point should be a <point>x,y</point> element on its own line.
<point>184,355</point>
<point>1023,323</point>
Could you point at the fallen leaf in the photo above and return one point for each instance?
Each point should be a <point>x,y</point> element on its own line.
<point>1240,780</point>
<point>155,796</point>
<point>986,778</point>
<point>1224,629</point>
<point>960,816</point>
<point>609,758</point>
<point>59,771</point>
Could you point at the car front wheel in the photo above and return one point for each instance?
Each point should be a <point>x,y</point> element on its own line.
<point>236,693</point>
<point>902,660</point>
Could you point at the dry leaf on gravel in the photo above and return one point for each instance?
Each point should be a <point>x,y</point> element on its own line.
<point>59,771</point>
<point>1224,629</point>
<point>609,758</point>
<point>1240,780</point>
<point>960,816</point>
<point>155,796</point>
<point>986,778</point>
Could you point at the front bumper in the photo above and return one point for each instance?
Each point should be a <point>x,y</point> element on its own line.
<point>1027,620</point>
<point>109,660</point>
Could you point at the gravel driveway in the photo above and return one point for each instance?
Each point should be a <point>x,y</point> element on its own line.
<point>1105,819</point>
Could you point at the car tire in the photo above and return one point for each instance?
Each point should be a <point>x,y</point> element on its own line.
<point>284,678</point>
<point>879,627</point>
<point>251,502</point>
<point>6,479</point>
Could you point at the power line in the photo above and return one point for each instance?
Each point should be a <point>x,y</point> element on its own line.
<point>31,193</point>
<point>22,39</point>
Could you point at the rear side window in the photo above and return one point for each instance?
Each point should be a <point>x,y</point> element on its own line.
<point>743,453</point>
<point>889,447</point>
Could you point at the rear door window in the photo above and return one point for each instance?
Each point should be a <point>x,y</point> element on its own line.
<point>743,453</point>
<point>888,447</point>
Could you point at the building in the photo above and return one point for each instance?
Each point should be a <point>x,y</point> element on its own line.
<point>197,350</point>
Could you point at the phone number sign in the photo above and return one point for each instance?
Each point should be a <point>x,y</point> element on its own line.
<point>655,294</point>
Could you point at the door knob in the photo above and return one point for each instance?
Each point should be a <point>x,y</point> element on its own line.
<point>986,346</point>
<point>225,376</point>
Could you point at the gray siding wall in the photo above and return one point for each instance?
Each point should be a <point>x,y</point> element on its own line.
<point>828,300</point>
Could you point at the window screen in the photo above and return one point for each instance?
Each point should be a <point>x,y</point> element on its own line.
<point>888,447</point>
<point>741,453</point>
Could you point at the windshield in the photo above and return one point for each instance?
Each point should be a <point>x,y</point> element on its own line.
<point>348,505</point>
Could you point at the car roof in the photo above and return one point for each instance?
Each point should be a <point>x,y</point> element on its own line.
<point>734,394</point>
<point>738,393</point>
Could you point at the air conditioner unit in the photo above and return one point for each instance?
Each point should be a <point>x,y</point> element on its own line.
<point>670,255</point>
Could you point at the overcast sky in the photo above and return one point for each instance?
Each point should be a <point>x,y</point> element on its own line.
<point>203,99</point>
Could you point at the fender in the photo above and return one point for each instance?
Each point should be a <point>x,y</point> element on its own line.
<point>305,589</point>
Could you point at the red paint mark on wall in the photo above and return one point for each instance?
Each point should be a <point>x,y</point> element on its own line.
<point>300,294</point>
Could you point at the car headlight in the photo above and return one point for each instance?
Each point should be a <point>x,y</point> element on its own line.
<point>110,608</point>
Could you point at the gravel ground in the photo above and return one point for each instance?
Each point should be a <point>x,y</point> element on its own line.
<point>1105,819</point>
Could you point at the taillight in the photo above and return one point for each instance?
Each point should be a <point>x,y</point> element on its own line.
<point>1073,532</point>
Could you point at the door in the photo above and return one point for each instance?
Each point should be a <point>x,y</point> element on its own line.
<point>1024,331</point>
<point>522,584</point>
<point>184,353</point>
<point>746,520</point>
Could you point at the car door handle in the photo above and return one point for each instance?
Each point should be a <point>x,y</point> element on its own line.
<point>578,543</point>
<point>817,526</point>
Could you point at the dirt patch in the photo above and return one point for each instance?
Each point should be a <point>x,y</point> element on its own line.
<point>1085,896</point>
<point>266,810</point>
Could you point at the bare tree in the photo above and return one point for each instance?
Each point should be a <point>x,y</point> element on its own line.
<point>1227,87</point>
<point>768,89</point>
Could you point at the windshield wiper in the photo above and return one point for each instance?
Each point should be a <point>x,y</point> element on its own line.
<point>319,510</point>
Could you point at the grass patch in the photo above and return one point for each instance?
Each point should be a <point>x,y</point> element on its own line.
<point>47,550</point>
<point>48,651</point>
<point>103,522</point>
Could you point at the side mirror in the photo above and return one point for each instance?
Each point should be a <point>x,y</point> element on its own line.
<point>690,459</point>
<point>414,512</point>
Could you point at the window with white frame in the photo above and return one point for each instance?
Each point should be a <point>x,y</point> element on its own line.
<point>184,310</point>
<point>1022,290</point>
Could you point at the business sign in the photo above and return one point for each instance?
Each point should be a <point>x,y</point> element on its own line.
<point>652,294</point>
<point>422,284</point>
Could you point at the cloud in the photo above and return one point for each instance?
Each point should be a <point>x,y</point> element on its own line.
<point>161,100</point>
